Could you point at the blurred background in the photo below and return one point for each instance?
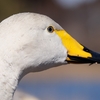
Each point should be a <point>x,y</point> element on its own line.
<point>81,19</point>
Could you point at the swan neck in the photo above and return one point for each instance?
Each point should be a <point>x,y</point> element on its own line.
<point>9,78</point>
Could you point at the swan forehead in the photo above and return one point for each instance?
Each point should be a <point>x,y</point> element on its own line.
<point>32,20</point>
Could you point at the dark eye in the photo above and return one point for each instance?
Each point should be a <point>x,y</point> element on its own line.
<point>50,29</point>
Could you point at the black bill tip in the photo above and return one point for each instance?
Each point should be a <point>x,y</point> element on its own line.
<point>77,59</point>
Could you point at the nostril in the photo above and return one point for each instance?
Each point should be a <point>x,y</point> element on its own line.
<point>85,49</point>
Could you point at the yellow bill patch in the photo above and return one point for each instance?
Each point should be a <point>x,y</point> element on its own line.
<point>72,46</point>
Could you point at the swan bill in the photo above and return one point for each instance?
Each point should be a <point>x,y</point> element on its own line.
<point>77,59</point>
<point>77,53</point>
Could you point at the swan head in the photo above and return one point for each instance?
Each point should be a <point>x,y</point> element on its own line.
<point>32,42</point>
<point>36,41</point>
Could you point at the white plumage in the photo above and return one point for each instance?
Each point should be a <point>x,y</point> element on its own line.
<point>32,42</point>
<point>25,46</point>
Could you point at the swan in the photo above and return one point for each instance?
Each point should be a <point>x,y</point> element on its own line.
<point>31,42</point>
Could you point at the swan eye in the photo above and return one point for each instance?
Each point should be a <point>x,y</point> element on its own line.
<point>50,29</point>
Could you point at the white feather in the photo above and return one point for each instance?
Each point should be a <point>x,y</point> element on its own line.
<point>25,46</point>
